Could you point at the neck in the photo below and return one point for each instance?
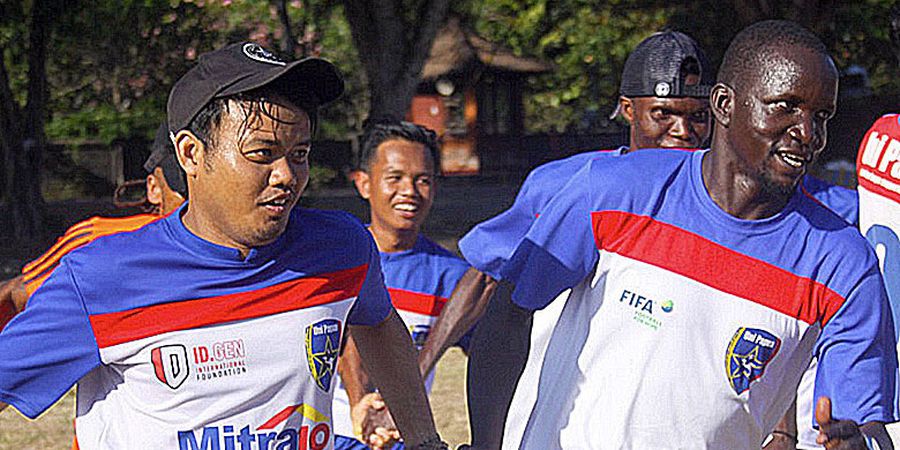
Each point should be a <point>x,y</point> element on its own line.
<point>391,240</point>
<point>202,227</point>
<point>733,190</point>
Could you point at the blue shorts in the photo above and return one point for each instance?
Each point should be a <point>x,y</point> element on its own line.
<point>349,443</point>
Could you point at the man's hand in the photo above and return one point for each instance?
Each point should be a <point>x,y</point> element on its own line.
<point>837,434</point>
<point>372,422</point>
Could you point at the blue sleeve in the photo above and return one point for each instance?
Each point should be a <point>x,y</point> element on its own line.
<point>489,245</point>
<point>374,304</point>
<point>858,357</point>
<point>559,249</point>
<point>47,348</point>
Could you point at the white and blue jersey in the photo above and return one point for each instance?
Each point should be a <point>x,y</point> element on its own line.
<point>489,244</point>
<point>686,327</point>
<point>179,343</point>
<point>878,170</point>
<point>845,203</point>
<point>420,282</point>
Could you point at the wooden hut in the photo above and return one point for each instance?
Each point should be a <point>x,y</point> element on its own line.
<point>469,87</point>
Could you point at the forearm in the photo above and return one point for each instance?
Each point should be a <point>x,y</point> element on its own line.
<point>353,373</point>
<point>467,304</point>
<point>12,299</point>
<point>389,357</point>
<point>877,431</point>
<point>784,435</point>
<point>499,352</point>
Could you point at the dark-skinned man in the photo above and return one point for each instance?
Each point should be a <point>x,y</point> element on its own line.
<point>664,98</point>
<point>699,285</point>
<point>222,328</point>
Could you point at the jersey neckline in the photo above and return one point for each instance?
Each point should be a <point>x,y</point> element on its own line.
<point>712,211</point>
<point>196,244</point>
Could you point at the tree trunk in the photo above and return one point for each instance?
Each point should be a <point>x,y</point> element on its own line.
<point>393,49</point>
<point>288,40</point>
<point>22,134</point>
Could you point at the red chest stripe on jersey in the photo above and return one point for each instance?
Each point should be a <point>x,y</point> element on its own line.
<point>428,304</point>
<point>721,268</point>
<point>126,326</point>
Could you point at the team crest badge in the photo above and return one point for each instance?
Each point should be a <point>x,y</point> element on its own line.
<point>749,352</point>
<point>323,342</point>
<point>170,364</point>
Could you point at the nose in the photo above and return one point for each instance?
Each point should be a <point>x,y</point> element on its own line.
<point>283,174</point>
<point>806,130</point>
<point>681,129</point>
<point>407,187</point>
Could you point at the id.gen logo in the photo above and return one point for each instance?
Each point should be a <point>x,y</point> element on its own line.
<point>170,364</point>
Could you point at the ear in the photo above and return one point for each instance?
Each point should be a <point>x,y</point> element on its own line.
<point>721,102</point>
<point>363,183</point>
<point>626,109</point>
<point>190,151</point>
<point>154,190</point>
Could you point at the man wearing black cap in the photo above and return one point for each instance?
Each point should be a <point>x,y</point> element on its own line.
<point>221,329</point>
<point>166,191</point>
<point>663,96</point>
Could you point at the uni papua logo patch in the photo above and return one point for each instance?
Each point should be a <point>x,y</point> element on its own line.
<point>749,352</point>
<point>323,342</point>
<point>170,364</point>
<point>419,335</point>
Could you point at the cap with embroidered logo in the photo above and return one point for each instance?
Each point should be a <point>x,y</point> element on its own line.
<point>242,67</point>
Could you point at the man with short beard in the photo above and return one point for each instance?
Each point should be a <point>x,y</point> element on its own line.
<point>700,284</point>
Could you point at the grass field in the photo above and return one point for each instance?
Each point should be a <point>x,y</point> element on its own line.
<point>53,430</point>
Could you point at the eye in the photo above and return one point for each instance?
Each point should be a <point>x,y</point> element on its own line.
<point>824,114</point>
<point>259,154</point>
<point>425,181</point>
<point>700,116</point>
<point>660,114</point>
<point>299,156</point>
<point>785,106</point>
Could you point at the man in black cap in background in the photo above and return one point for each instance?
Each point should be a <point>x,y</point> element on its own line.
<point>219,326</point>
<point>166,191</point>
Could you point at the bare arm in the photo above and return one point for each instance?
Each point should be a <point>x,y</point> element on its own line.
<point>390,358</point>
<point>466,306</point>
<point>499,352</point>
<point>353,374</point>
<point>784,436</point>
<point>12,299</point>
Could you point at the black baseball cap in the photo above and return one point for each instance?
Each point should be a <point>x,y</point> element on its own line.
<point>659,65</point>
<point>162,155</point>
<point>245,66</point>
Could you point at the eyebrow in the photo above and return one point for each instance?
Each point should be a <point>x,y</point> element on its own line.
<point>274,143</point>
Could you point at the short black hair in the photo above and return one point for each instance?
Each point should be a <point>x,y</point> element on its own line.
<point>251,103</point>
<point>759,42</point>
<point>382,130</point>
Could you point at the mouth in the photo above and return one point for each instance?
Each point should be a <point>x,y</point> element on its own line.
<point>793,160</point>
<point>407,210</point>
<point>278,204</point>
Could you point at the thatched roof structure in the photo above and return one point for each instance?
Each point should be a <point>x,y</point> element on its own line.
<point>455,49</point>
